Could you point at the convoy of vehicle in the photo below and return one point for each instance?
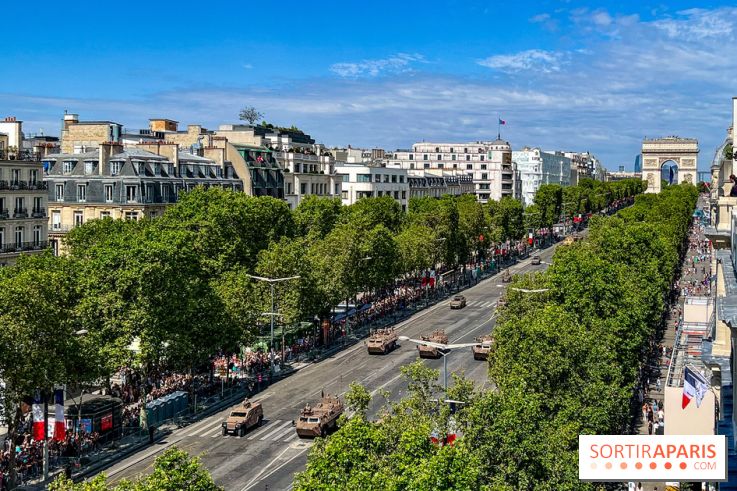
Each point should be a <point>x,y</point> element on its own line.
<point>427,351</point>
<point>458,302</point>
<point>482,347</point>
<point>244,417</point>
<point>382,341</point>
<point>319,419</point>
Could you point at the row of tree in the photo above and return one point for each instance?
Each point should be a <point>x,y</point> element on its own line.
<point>564,362</point>
<point>180,284</point>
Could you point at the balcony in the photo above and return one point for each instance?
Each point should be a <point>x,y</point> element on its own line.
<point>4,213</point>
<point>23,246</point>
<point>20,213</point>
<point>38,213</point>
<point>38,185</point>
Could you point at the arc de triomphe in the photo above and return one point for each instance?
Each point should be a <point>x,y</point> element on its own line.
<point>684,152</point>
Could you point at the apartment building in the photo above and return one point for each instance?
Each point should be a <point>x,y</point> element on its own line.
<point>489,164</point>
<point>363,181</point>
<point>23,219</point>
<point>537,167</point>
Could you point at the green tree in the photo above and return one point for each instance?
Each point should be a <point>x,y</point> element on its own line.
<point>549,200</point>
<point>317,215</point>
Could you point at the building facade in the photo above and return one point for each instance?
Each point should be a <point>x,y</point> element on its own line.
<point>489,164</point>
<point>436,184</point>
<point>23,219</point>
<point>363,181</point>
<point>537,168</point>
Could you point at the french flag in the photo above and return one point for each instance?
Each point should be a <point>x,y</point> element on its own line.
<point>694,386</point>
<point>501,121</point>
<point>59,423</point>
<point>38,417</point>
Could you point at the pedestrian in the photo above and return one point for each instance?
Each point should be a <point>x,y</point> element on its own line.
<point>644,412</point>
<point>639,487</point>
<point>649,427</point>
<point>657,384</point>
<point>661,415</point>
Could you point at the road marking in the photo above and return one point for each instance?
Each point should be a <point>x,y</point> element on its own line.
<point>276,430</point>
<point>283,433</point>
<point>391,380</point>
<point>254,480</point>
<point>205,429</point>
<point>475,328</point>
<point>290,438</point>
<point>269,425</point>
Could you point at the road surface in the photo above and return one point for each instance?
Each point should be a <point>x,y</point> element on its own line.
<point>268,457</point>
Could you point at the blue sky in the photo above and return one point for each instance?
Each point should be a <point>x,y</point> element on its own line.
<point>565,75</point>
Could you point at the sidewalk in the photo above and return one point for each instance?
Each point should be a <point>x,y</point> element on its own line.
<point>654,374</point>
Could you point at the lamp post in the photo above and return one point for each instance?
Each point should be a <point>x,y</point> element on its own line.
<point>272,282</point>
<point>443,349</point>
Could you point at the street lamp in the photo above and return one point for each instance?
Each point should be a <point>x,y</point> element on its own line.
<point>272,282</point>
<point>443,349</point>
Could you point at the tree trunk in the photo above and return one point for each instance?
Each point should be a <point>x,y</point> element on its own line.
<point>13,424</point>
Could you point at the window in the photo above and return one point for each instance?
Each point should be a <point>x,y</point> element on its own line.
<point>131,215</point>
<point>440,157</point>
<point>455,166</point>
<point>68,166</point>
<point>452,157</point>
<point>483,166</point>
<point>484,176</point>
<point>469,166</point>
<point>2,237</point>
<point>33,176</point>
<point>377,178</point>
<point>108,193</point>
<point>440,165</point>
<point>81,193</point>
<point>394,178</point>
<point>20,205</point>
<point>165,192</point>
<point>411,166</point>
<point>411,156</point>
<point>363,177</point>
<point>480,150</point>
<point>401,179</point>
<point>451,150</point>
<point>89,168</point>
<point>303,188</point>
<point>131,194</point>
<point>19,236</point>
<point>424,157</point>
<point>465,150</point>
<point>379,193</point>
<point>15,176</point>
<point>426,166</point>
<point>344,194</point>
<point>468,157</point>
<point>337,188</point>
<point>482,158</point>
<point>37,202</point>
<point>437,149</point>
<point>114,168</point>
<point>396,194</point>
<point>484,186</point>
<point>404,194</point>
<point>78,218</point>
<point>37,234</point>
<point>105,214</point>
<point>56,220</point>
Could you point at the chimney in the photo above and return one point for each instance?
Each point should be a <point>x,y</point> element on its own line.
<point>70,119</point>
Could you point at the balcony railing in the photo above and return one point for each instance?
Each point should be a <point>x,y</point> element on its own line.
<point>4,213</point>
<point>20,213</point>
<point>38,212</point>
<point>23,155</point>
<point>23,246</point>
<point>6,185</point>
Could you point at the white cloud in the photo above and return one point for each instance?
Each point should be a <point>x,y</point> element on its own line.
<point>247,66</point>
<point>601,18</point>
<point>531,59</point>
<point>699,24</point>
<point>397,63</point>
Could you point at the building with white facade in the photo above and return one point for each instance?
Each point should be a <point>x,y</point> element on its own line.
<point>489,164</point>
<point>536,168</point>
<point>435,184</point>
<point>364,181</point>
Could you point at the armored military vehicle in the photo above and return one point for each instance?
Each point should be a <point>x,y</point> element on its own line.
<point>317,420</point>
<point>437,336</point>
<point>243,417</point>
<point>506,277</point>
<point>482,347</point>
<point>382,341</point>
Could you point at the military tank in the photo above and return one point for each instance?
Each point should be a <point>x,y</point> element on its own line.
<point>382,341</point>
<point>437,336</point>
<point>482,347</point>
<point>317,420</point>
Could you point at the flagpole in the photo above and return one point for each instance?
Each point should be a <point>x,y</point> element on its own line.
<point>498,127</point>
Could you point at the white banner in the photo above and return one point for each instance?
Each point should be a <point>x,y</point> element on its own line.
<point>652,458</point>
